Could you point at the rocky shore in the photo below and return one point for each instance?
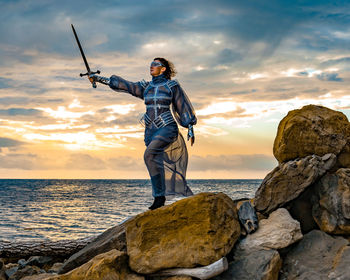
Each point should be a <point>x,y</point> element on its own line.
<point>296,227</point>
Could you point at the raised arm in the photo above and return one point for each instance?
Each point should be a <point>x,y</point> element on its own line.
<point>119,84</point>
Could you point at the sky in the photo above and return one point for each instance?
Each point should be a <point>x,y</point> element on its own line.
<point>243,64</point>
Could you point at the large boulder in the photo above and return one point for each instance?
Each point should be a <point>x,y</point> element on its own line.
<point>194,231</point>
<point>258,265</point>
<point>311,130</point>
<point>113,238</point>
<point>111,265</point>
<point>277,232</point>
<point>318,256</point>
<point>288,180</point>
<point>331,202</point>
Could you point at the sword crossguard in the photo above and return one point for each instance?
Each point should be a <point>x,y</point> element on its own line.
<point>90,73</point>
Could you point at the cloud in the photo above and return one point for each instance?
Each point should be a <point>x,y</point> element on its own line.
<point>71,161</point>
<point>20,112</point>
<point>334,62</point>
<point>27,161</point>
<point>8,142</point>
<point>239,61</point>
<point>232,162</point>
<point>4,83</point>
<point>84,162</point>
<point>125,163</point>
<point>227,56</point>
<point>237,22</point>
<point>329,77</point>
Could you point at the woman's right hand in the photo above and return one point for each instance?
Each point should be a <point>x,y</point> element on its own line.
<point>92,78</point>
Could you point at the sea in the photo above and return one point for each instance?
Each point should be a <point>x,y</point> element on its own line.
<point>40,209</point>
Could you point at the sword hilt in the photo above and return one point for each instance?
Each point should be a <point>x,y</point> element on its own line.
<point>90,73</point>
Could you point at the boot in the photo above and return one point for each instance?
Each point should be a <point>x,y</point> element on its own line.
<point>158,202</point>
<point>158,186</point>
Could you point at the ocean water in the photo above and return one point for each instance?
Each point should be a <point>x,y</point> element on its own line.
<point>71,209</point>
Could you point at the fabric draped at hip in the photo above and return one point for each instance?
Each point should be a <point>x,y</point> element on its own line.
<point>166,154</point>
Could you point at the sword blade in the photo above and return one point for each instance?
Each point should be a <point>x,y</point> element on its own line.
<point>81,50</point>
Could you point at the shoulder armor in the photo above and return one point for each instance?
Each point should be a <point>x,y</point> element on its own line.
<point>143,83</point>
<point>172,83</point>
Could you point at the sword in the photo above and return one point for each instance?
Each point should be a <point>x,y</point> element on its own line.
<point>85,61</point>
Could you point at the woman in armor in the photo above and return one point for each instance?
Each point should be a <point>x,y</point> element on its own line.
<point>166,154</point>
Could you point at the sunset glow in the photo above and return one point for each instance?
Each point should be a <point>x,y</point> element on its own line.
<point>243,66</point>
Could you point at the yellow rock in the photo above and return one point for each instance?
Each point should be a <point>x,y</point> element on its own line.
<point>173,278</point>
<point>344,157</point>
<point>112,265</point>
<point>311,130</point>
<point>195,231</point>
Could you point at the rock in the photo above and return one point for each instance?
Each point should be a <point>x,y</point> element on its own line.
<point>194,231</point>
<point>316,257</point>
<point>258,265</point>
<point>331,202</point>
<point>39,261</point>
<point>310,130</point>
<point>59,249</point>
<point>343,159</point>
<point>341,265</point>
<point>178,278</point>
<point>43,276</point>
<point>11,269</point>
<point>55,268</point>
<point>2,271</point>
<point>288,180</point>
<point>113,238</point>
<point>172,278</point>
<point>301,210</point>
<point>22,263</point>
<point>202,272</point>
<point>248,218</point>
<point>26,271</point>
<point>110,265</point>
<point>278,231</point>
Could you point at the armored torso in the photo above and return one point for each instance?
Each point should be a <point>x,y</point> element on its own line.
<point>158,96</point>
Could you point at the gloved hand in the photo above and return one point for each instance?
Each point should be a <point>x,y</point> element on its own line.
<point>190,134</point>
<point>95,78</point>
<point>92,78</point>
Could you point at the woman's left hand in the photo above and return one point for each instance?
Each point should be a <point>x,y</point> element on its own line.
<point>190,134</point>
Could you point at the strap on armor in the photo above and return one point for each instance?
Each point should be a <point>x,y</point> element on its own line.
<point>160,121</point>
<point>172,83</point>
<point>143,83</point>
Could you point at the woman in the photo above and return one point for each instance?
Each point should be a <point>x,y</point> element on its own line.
<point>166,154</point>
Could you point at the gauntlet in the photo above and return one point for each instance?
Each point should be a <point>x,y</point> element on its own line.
<point>190,134</point>
<point>99,79</point>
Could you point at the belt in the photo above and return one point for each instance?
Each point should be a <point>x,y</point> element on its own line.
<point>160,121</point>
